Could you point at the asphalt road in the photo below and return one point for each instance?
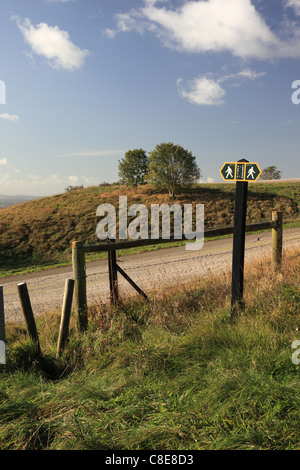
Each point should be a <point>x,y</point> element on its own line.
<point>152,271</point>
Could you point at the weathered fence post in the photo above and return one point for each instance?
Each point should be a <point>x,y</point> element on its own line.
<point>113,276</point>
<point>65,316</point>
<point>80,302</point>
<point>277,240</point>
<point>2,329</point>
<point>28,314</point>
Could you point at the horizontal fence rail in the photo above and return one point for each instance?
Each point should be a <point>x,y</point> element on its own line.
<point>207,234</point>
<point>79,267</point>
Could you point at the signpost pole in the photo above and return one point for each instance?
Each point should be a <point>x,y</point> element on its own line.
<point>2,329</point>
<point>238,254</point>
<point>241,172</point>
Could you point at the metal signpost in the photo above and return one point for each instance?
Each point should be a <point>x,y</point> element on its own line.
<point>241,172</point>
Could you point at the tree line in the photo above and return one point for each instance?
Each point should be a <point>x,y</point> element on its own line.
<point>168,167</point>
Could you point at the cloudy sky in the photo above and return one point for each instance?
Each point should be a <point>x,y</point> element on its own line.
<point>83,81</point>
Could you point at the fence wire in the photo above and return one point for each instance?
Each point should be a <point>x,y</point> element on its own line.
<point>152,271</point>
<point>156,270</point>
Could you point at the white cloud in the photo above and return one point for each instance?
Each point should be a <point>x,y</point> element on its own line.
<point>208,91</point>
<point>3,161</point>
<point>73,179</point>
<point>34,184</point>
<point>213,25</point>
<point>84,180</point>
<point>89,181</point>
<point>295,4</point>
<point>9,117</point>
<point>210,179</point>
<point>247,73</point>
<point>52,43</point>
<point>202,91</point>
<point>110,33</point>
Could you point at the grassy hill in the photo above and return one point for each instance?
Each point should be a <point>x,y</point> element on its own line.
<point>39,232</point>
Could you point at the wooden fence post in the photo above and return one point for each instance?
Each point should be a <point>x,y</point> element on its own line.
<point>277,237</point>
<point>113,275</point>
<point>80,302</point>
<point>65,316</point>
<point>2,329</point>
<point>28,314</point>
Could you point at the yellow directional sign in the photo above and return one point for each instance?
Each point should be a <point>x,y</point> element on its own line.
<point>240,171</point>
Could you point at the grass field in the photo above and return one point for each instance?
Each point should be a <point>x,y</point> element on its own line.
<point>174,374</point>
<point>37,234</point>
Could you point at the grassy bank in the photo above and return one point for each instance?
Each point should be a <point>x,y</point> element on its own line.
<point>176,373</point>
<point>37,234</point>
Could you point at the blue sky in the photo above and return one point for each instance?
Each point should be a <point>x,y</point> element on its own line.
<point>83,81</point>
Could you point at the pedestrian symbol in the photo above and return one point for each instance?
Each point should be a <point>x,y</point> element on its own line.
<point>252,171</point>
<point>228,171</point>
<point>240,171</point>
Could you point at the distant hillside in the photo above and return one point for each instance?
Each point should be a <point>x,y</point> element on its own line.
<point>41,231</point>
<point>6,201</point>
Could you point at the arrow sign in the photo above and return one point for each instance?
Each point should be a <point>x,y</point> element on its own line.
<point>252,171</point>
<point>240,171</point>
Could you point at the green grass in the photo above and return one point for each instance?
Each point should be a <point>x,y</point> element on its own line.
<point>37,234</point>
<point>174,374</point>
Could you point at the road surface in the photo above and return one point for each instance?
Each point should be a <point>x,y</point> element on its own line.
<point>152,271</point>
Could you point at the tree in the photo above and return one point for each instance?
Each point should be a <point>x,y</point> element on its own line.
<point>73,188</point>
<point>133,168</point>
<point>172,167</point>
<point>271,173</point>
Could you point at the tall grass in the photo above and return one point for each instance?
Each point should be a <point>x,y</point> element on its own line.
<point>175,373</point>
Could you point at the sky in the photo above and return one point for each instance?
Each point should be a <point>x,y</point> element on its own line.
<point>84,81</point>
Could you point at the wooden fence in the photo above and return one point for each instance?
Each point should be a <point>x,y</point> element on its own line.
<point>75,289</point>
<point>79,265</point>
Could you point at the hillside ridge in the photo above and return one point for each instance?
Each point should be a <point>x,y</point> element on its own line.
<point>41,230</point>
